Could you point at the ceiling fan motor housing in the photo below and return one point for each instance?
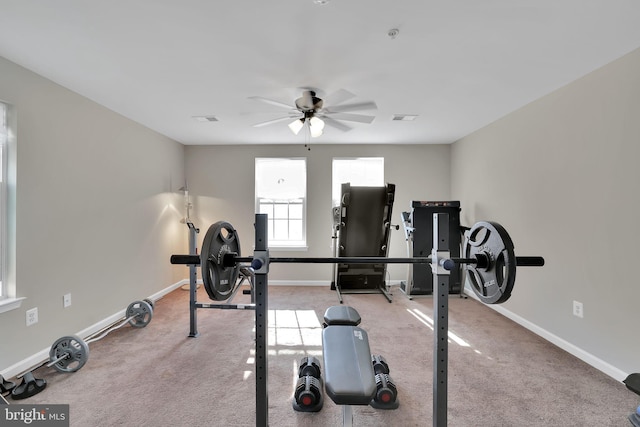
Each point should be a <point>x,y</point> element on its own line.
<point>309,102</point>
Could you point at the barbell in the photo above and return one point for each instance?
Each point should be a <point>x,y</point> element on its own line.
<point>70,353</point>
<point>489,260</point>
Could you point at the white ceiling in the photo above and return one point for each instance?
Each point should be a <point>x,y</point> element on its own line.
<point>457,64</point>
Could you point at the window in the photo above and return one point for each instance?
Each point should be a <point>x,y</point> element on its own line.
<point>8,160</point>
<point>359,172</point>
<point>3,199</point>
<point>281,193</point>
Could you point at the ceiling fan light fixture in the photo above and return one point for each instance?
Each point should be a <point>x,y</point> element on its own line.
<point>296,125</point>
<point>315,132</point>
<point>316,126</point>
<point>316,122</point>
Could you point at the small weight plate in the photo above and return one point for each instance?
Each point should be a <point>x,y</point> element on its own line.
<point>492,284</point>
<point>73,351</point>
<point>139,314</point>
<point>219,281</point>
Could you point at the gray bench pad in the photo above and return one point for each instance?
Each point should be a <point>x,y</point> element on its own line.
<point>348,371</point>
<point>341,315</point>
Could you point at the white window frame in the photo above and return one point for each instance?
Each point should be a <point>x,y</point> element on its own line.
<point>4,136</point>
<point>277,203</point>
<point>360,178</point>
<point>8,298</point>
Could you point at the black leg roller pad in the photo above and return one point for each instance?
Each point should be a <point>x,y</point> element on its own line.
<point>386,392</point>
<point>308,394</point>
<point>633,383</point>
<point>30,387</point>
<point>6,386</point>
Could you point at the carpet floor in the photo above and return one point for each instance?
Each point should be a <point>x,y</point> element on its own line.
<point>500,374</point>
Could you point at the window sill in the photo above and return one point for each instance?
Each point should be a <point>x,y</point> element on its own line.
<point>10,304</point>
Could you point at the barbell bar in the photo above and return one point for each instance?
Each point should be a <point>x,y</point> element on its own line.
<point>489,260</point>
<point>231,259</point>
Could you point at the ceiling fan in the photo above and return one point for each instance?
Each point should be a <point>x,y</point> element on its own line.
<point>312,111</point>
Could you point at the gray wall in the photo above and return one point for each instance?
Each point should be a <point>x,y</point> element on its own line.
<point>561,174</point>
<point>222,181</point>
<point>96,214</point>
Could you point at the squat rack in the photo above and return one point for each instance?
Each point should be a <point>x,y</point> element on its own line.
<point>440,314</point>
<point>490,261</point>
<point>194,305</point>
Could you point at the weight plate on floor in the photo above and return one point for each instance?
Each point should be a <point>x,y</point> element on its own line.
<point>219,281</point>
<point>491,279</point>
<point>72,353</point>
<point>139,314</point>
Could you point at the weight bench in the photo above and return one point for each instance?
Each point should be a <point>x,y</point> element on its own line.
<point>348,372</point>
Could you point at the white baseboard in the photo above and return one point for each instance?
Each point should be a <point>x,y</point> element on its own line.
<point>572,349</point>
<point>165,291</point>
<point>326,283</point>
<point>43,355</point>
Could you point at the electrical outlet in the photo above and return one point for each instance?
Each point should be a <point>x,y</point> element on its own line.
<point>66,300</point>
<point>32,316</point>
<point>578,309</point>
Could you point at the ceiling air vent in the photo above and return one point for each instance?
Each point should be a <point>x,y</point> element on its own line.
<point>206,118</point>
<point>404,117</point>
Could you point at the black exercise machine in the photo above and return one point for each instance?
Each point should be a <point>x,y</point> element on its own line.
<point>362,225</point>
<point>418,231</point>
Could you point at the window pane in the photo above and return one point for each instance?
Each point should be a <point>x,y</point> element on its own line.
<point>295,211</point>
<point>280,229</point>
<point>295,230</point>
<point>266,209</point>
<point>281,211</point>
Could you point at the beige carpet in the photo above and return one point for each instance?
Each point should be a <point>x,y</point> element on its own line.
<point>499,373</point>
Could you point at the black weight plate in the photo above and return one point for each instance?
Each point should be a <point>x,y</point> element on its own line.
<point>219,281</point>
<point>493,284</point>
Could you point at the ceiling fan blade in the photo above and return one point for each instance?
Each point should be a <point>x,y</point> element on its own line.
<point>349,117</point>
<point>369,105</point>
<point>278,120</point>
<point>272,102</point>
<point>335,124</point>
<point>338,97</point>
